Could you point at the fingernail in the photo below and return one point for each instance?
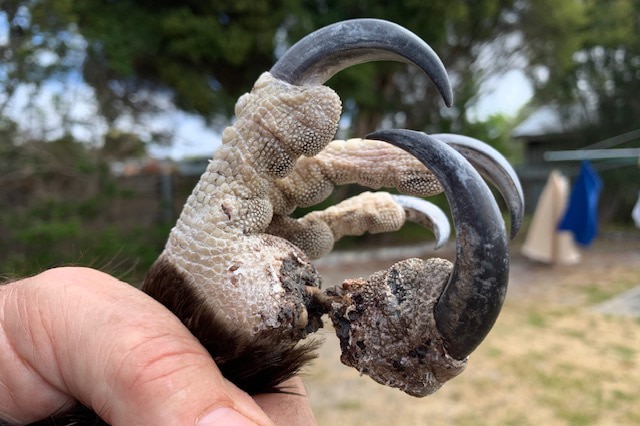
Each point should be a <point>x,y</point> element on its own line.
<point>225,417</point>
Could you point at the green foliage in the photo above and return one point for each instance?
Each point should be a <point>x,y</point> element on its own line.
<point>64,236</point>
<point>592,53</point>
<point>206,52</point>
<point>56,205</point>
<point>118,145</point>
<point>552,32</point>
<point>33,30</point>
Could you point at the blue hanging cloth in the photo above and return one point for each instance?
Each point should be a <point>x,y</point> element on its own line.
<point>581,216</point>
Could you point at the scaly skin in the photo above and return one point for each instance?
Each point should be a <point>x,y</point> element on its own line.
<point>316,232</point>
<point>247,288</point>
<point>373,164</point>
<point>219,241</point>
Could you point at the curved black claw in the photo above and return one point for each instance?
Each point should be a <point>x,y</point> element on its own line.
<point>327,51</point>
<point>473,296</point>
<point>427,214</point>
<point>495,168</point>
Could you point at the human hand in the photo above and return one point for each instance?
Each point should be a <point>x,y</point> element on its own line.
<point>77,334</point>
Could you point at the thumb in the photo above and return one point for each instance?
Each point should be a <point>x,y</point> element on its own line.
<point>93,338</point>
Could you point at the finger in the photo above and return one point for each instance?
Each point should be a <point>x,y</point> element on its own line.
<point>88,336</point>
<point>292,407</point>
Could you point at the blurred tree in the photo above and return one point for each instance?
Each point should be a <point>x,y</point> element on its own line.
<point>207,53</point>
<point>59,205</point>
<point>204,54</point>
<point>121,145</point>
<point>35,47</point>
<point>592,61</point>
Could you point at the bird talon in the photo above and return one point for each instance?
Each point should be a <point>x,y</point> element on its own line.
<point>253,295</point>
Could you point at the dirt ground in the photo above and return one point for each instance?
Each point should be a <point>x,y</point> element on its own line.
<point>551,358</point>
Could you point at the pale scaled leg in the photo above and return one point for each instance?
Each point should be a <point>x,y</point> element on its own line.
<point>316,233</point>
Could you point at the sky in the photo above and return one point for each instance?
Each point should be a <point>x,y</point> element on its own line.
<point>38,117</point>
<point>504,94</point>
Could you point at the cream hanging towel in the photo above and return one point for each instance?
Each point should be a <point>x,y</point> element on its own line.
<point>544,242</point>
<point>635,213</point>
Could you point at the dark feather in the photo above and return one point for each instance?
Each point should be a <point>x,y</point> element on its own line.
<point>77,416</point>
<point>255,366</point>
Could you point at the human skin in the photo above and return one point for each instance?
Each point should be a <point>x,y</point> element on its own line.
<point>76,334</point>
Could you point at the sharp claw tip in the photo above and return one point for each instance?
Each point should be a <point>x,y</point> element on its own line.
<point>448,99</point>
<point>377,135</point>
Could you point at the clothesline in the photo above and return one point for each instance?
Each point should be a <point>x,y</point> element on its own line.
<point>591,154</point>
<point>599,150</point>
<point>571,170</point>
<point>615,140</point>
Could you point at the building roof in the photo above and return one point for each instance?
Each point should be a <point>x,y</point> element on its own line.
<point>548,120</point>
